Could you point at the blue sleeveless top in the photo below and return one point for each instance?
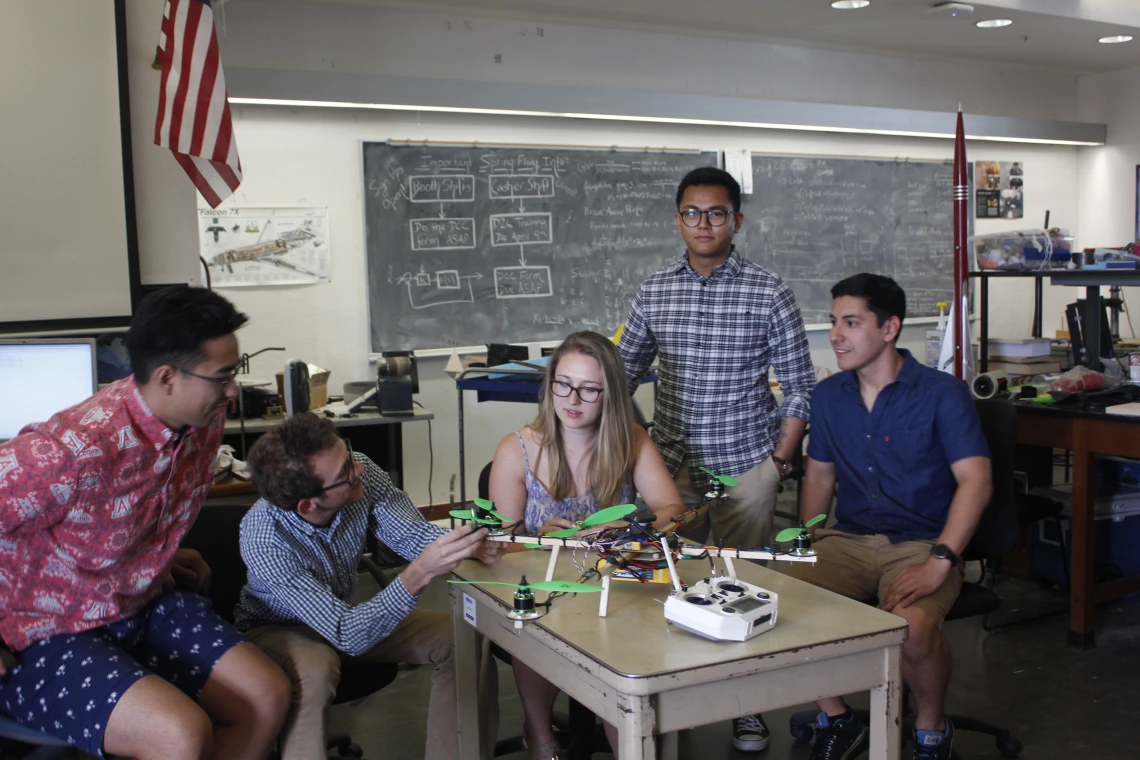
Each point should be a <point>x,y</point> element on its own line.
<point>541,506</point>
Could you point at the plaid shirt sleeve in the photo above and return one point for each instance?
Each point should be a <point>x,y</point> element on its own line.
<point>791,357</point>
<point>637,346</point>
<point>353,630</point>
<point>396,521</point>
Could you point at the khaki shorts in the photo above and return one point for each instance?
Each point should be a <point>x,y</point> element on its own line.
<point>863,568</point>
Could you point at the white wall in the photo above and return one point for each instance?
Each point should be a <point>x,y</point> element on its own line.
<point>312,157</point>
<point>1107,175</point>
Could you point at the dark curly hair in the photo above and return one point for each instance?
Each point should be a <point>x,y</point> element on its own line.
<point>278,459</point>
<point>171,325</point>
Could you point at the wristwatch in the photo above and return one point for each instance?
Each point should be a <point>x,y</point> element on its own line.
<point>783,465</point>
<point>942,551</point>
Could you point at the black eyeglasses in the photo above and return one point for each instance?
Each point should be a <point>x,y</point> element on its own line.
<point>221,382</point>
<point>586,394</point>
<point>351,480</point>
<point>691,217</point>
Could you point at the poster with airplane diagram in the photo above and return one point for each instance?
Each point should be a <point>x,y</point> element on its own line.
<point>261,246</point>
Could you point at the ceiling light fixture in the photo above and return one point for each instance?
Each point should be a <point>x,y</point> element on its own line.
<point>847,5</point>
<point>649,119</point>
<point>993,23</point>
<point>1115,39</point>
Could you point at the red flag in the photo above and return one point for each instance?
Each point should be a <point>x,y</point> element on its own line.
<point>193,113</point>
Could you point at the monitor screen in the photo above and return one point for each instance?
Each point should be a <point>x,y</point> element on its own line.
<point>39,377</point>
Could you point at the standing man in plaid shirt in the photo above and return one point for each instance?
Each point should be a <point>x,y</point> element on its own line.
<point>718,323</point>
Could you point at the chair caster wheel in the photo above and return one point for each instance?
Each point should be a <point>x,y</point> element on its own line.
<point>1009,747</point>
<point>802,726</point>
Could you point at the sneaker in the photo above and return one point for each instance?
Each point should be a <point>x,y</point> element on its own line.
<point>940,751</point>
<point>838,739</point>
<point>749,734</point>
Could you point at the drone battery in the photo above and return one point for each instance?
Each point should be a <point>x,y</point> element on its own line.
<point>643,574</point>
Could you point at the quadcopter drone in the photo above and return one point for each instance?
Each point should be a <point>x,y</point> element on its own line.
<point>721,607</point>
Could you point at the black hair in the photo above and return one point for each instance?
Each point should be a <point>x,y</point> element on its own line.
<point>278,460</point>
<point>710,176</point>
<point>883,295</point>
<point>171,325</point>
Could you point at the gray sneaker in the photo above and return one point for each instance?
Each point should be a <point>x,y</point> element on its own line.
<point>749,734</point>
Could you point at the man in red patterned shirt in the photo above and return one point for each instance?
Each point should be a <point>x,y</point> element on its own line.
<point>109,655</point>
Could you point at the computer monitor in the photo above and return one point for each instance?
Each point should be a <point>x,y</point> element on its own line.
<point>41,376</point>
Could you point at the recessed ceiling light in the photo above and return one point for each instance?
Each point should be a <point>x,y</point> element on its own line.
<point>844,5</point>
<point>993,23</point>
<point>1116,39</point>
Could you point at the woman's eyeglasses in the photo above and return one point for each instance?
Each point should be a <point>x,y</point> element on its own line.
<point>586,394</point>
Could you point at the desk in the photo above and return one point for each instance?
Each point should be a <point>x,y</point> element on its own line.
<point>1086,434</point>
<point>374,435</point>
<point>651,679</point>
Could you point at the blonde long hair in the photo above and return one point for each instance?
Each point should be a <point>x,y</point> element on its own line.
<point>612,456</point>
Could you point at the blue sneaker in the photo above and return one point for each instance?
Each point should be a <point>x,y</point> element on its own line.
<point>925,749</point>
<point>838,739</point>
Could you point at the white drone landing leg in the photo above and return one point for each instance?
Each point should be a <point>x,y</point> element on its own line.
<point>553,561</point>
<point>603,603</point>
<point>672,568</point>
<point>729,567</point>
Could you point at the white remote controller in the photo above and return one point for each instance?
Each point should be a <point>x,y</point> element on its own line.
<point>723,608</point>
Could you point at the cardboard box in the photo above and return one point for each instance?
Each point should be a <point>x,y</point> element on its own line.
<point>318,386</point>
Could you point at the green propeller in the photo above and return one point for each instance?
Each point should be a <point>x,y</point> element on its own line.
<point>789,534</point>
<point>609,514</point>
<point>727,480</point>
<point>483,514</point>
<point>567,587</point>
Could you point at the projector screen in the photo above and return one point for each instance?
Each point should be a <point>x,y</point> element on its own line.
<point>68,246</point>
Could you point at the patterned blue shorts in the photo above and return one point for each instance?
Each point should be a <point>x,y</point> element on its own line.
<point>67,685</point>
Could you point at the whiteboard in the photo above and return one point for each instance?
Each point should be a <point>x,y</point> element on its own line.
<point>68,238</point>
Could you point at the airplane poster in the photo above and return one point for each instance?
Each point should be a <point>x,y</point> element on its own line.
<point>259,246</point>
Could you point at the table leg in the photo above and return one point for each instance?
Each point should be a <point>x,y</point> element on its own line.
<point>466,680</point>
<point>636,726</point>
<point>886,712</point>
<point>1081,541</point>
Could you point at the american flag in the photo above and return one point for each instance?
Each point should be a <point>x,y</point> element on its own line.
<point>193,113</point>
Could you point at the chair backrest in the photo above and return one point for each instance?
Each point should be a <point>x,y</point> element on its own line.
<point>216,535</point>
<point>485,481</point>
<point>997,531</point>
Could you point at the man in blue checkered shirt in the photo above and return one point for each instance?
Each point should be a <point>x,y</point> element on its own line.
<point>718,323</point>
<point>302,543</point>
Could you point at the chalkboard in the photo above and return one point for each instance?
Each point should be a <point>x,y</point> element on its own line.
<point>472,245</point>
<point>815,221</point>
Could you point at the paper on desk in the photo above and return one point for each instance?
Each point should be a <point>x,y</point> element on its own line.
<point>738,163</point>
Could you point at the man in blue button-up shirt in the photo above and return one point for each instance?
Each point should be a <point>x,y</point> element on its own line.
<point>302,543</point>
<point>901,447</point>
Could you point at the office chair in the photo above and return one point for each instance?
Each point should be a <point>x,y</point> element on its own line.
<point>579,732</point>
<point>996,534</point>
<point>999,425</point>
<point>216,536</point>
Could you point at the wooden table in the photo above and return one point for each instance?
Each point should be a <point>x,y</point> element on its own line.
<point>1087,434</point>
<point>651,679</point>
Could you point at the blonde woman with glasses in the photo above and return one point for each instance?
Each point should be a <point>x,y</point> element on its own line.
<point>583,452</point>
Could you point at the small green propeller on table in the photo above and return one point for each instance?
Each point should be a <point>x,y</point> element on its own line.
<point>790,534</point>
<point>609,514</point>
<point>483,514</point>
<point>727,480</point>
<point>567,587</point>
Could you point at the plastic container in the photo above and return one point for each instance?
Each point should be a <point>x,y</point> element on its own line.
<point>1116,534</point>
<point>1024,250</point>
